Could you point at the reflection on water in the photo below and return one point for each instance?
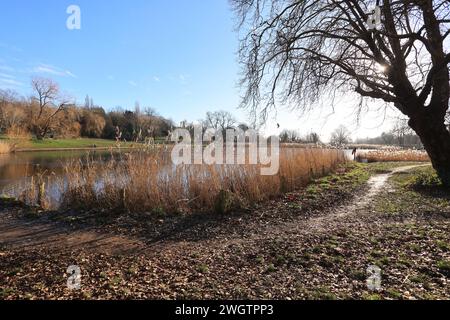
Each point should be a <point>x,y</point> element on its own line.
<point>49,168</point>
<point>18,168</point>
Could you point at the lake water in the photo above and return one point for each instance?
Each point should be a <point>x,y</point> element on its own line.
<point>18,168</point>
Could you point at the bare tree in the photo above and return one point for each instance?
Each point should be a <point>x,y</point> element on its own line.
<point>219,120</point>
<point>289,136</point>
<point>49,103</point>
<point>387,138</point>
<point>87,102</point>
<point>297,50</point>
<point>400,131</point>
<point>10,116</point>
<point>313,137</point>
<point>340,136</point>
<point>7,96</point>
<point>150,112</point>
<point>150,122</point>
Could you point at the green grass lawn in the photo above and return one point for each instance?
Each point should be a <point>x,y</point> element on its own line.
<point>66,143</point>
<point>72,143</point>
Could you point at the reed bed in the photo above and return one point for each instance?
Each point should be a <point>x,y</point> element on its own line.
<point>394,155</point>
<point>5,147</point>
<point>147,182</point>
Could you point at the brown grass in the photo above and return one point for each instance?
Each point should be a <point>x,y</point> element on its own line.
<point>394,155</point>
<point>18,133</point>
<point>5,147</point>
<point>148,182</point>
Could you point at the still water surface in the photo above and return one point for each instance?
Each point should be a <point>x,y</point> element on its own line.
<point>17,168</point>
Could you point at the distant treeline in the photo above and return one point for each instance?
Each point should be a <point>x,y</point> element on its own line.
<point>401,135</point>
<point>47,115</point>
<point>294,136</point>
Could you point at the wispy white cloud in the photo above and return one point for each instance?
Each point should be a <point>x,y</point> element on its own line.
<point>157,79</point>
<point>111,78</point>
<point>132,83</point>
<point>70,74</point>
<point>4,75</point>
<point>48,69</point>
<point>8,82</point>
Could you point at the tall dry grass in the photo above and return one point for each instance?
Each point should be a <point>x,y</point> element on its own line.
<point>5,147</point>
<point>147,182</point>
<point>394,155</point>
<point>17,132</point>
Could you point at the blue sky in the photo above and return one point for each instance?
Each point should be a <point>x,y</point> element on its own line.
<point>178,57</point>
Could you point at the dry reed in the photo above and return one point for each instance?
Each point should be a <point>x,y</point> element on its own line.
<point>394,156</point>
<point>148,182</point>
<point>5,147</point>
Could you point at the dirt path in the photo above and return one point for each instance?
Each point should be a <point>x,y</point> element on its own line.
<point>376,184</point>
<point>17,234</point>
<point>337,215</point>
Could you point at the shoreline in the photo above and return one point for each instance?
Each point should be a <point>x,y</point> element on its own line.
<point>21,150</point>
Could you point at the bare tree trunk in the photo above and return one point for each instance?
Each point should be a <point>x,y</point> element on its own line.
<point>436,139</point>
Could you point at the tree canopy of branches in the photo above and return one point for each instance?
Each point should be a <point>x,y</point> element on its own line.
<point>289,136</point>
<point>293,136</point>
<point>46,104</point>
<point>295,51</point>
<point>219,120</point>
<point>313,137</point>
<point>340,136</point>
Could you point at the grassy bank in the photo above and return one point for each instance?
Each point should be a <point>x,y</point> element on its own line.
<point>417,191</point>
<point>55,144</point>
